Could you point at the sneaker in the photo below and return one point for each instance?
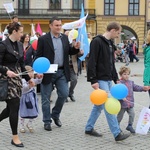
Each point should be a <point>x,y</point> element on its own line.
<point>121,136</point>
<point>93,133</point>
<point>22,129</point>
<point>30,128</point>
<point>130,128</point>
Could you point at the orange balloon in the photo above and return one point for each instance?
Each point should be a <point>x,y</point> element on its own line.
<point>98,97</point>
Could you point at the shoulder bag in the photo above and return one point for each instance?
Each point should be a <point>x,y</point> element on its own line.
<point>3,86</point>
<point>3,89</point>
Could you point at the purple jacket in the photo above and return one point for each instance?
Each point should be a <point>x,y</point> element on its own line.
<point>130,97</point>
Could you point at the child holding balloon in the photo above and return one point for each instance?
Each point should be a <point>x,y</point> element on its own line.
<point>127,104</point>
<point>28,102</point>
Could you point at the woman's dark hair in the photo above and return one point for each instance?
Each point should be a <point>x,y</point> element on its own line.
<point>13,26</point>
<point>23,37</point>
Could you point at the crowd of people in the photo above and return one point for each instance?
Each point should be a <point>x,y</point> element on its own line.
<point>127,53</point>
<point>17,57</point>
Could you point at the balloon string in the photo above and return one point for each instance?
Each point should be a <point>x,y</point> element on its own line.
<point>24,73</point>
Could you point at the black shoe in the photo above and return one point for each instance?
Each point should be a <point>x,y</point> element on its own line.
<point>130,128</point>
<point>72,98</point>
<point>17,145</point>
<point>66,100</point>
<point>121,136</point>
<point>57,122</point>
<point>93,133</point>
<point>47,127</point>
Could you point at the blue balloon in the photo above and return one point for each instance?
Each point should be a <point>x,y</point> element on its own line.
<point>119,91</point>
<point>41,65</point>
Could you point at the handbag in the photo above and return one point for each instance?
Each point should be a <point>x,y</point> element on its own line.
<point>3,89</point>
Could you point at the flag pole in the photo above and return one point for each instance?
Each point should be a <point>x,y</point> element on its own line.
<point>10,17</point>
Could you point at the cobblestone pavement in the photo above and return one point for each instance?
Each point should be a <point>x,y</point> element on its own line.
<point>74,117</point>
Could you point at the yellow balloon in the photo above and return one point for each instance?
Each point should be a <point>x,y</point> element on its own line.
<point>112,106</point>
<point>73,34</point>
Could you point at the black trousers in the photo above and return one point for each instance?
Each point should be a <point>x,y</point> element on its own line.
<point>11,111</point>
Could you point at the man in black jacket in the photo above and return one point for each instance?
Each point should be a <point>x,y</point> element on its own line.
<point>56,48</point>
<point>101,72</point>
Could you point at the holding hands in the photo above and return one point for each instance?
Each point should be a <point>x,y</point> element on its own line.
<point>76,45</point>
<point>39,76</point>
<point>146,88</point>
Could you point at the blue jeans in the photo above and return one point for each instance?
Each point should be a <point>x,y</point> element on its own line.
<point>96,111</point>
<point>61,84</point>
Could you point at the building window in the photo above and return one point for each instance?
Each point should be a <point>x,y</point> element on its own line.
<point>109,6</point>
<point>54,4</point>
<point>133,7</point>
<point>77,4</point>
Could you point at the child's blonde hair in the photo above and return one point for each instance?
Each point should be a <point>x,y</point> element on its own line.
<point>124,69</point>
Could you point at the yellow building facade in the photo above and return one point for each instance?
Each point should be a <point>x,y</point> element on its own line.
<point>133,15</point>
<point>135,23</point>
<point>39,11</point>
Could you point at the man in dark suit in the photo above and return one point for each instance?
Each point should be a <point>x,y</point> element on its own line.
<point>55,47</point>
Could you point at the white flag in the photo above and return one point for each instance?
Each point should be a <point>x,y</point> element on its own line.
<point>33,29</point>
<point>9,7</point>
<point>33,35</point>
<point>76,24</point>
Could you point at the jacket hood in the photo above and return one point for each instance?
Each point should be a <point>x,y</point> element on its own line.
<point>103,38</point>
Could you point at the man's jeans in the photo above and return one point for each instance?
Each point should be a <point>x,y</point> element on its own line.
<point>61,84</point>
<point>96,111</point>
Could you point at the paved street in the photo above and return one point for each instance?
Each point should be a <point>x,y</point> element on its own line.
<point>74,117</point>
